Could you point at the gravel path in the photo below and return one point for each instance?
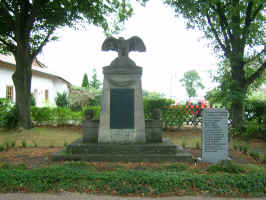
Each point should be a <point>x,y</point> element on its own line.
<point>78,196</point>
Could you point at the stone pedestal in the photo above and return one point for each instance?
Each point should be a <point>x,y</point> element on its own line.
<point>122,110</point>
<point>90,130</point>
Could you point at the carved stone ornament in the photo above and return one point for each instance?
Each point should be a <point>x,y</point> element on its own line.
<point>123,47</point>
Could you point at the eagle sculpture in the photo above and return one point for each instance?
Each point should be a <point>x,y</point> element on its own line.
<point>122,46</point>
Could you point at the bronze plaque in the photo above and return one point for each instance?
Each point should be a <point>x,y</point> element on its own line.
<point>121,108</point>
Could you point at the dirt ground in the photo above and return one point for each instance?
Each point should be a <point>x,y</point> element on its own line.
<point>39,156</point>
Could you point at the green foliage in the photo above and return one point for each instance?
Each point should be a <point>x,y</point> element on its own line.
<point>24,143</point>
<point>152,95</point>
<point>81,177</point>
<point>33,101</point>
<point>81,97</point>
<point>95,82</point>
<point>191,81</point>
<point>2,148</point>
<point>226,166</point>
<point>62,100</point>
<point>8,114</point>
<point>151,104</point>
<point>43,114</point>
<point>184,144</point>
<point>236,30</point>
<point>264,158</point>
<point>85,81</point>
<point>255,155</point>
<point>175,116</point>
<point>198,146</point>
<point>8,166</point>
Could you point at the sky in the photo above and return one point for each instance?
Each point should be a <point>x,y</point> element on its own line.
<point>171,50</point>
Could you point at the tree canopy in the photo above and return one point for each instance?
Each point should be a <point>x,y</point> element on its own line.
<point>85,81</point>
<point>27,25</point>
<point>236,29</point>
<point>191,81</point>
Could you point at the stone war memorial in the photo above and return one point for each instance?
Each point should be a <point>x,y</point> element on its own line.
<point>122,133</point>
<point>215,135</point>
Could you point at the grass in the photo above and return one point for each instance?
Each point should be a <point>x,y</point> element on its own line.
<point>190,140</point>
<point>42,136</point>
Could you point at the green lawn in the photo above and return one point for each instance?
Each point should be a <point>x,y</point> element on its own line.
<point>41,136</point>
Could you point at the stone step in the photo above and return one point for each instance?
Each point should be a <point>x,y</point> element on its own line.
<point>78,147</point>
<point>178,157</point>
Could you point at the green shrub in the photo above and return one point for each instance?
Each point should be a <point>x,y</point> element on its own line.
<point>24,143</point>
<point>198,146</point>
<point>44,114</point>
<point>83,178</point>
<point>235,146</point>
<point>184,144</point>
<point>6,145</point>
<point>151,104</point>
<point>20,166</point>
<point>264,157</point>
<point>255,155</point>
<point>8,114</point>
<point>176,167</point>
<point>32,100</point>
<point>226,166</point>
<point>13,143</point>
<point>2,148</point>
<point>35,144</point>
<point>62,100</point>
<point>245,149</point>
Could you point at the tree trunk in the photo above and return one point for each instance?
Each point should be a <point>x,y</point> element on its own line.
<point>237,114</point>
<point>238,93</point>
<point>22,81</point>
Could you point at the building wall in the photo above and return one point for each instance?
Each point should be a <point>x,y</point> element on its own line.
<point>40,83</point>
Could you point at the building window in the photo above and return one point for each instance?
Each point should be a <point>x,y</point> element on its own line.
<point>46,95</point>
<point>10,92</point>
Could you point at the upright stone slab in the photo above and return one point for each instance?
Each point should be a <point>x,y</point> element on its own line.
<point>215,135</point>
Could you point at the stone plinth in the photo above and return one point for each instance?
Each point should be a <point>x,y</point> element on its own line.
<point>164,151</point>
<point>122,110</point>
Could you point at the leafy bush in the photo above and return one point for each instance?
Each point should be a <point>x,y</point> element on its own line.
<point>255,155</point>
<point>8,114</point>
<point>80,177</point>
<point>226,166</point>
<point>2,148</point>
<point>256,118</point>
<point>62,100</point>
<point>44,114</point>
<point>32,100</point>
<point>151,104</point>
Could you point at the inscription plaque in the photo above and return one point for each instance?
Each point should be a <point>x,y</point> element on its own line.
<point>215,135</point>
<point>121,108</point>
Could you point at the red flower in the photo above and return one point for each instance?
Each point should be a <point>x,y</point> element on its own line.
<point>197,106</point>
<point>186,106</point>
<point>191,106</point>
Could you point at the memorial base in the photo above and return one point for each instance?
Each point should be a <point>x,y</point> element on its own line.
<point>150,152</point>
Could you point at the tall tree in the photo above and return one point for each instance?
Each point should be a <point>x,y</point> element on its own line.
<point>85,81</point>
<point>191,81</point>
<point>27,25</point>
<point>95,82</point>
<point>237,30</point>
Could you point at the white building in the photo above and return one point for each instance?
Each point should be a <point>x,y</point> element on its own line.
<point>44,86</point>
